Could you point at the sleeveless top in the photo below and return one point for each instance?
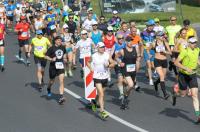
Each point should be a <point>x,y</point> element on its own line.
<point>109,43</point>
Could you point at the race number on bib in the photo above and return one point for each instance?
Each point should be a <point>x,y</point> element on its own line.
<point>53,27</point>
<point>10,12</point>
<point>24,34</point>
<point>1,42</point>
<point>39,48</point>
<point>59,65</point>
<point>130,67</point>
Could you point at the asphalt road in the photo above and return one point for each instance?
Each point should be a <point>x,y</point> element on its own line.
<point>24,109</point>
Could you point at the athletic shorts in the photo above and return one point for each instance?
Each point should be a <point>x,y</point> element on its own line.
<point>130,74</point>
<point>40,62</point>
<point>11,18</point>
<point>53,72</point>
<point>187,81</point>
<point>2,45</point>
<point>44,31</point>
<point>81,61</point>
<point>22,43</point>
<point>104,82</point>
<point>68,50</point>
<point>146,55</point>
<point>49,31</point>
<point>118,70</point>
<point>160,63</point>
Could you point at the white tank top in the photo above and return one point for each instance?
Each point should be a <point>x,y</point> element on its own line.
<point>99,63</point>
<point>38,24</point>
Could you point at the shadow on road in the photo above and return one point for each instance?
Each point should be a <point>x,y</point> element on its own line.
<point>176,113</point>
<point>77,83</point>
<point>53,97</point>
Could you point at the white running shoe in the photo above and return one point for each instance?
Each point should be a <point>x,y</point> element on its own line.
<point>151,82</point>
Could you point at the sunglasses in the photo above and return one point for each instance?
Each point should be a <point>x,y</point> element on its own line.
<point>84,34</point>
<point>120,38</point>
<point>173,20</point>
<point>71,18</point>
<point>94,25</point>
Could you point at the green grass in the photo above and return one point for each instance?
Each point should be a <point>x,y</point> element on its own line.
<point>189,12</point>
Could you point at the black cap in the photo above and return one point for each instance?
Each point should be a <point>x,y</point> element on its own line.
<point>57,37</point>
<point>128,39</point>
<point>186,22</point>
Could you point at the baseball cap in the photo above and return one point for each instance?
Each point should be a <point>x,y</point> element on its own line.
<point>100,45</point>
<point>39,32</point>
<point>90,9</point>
<point>110,28</point>
<point>150,22</point>
<point>115,12</point>
<point>192,40</point>
<point>65,26</point>
<point>83,32</point>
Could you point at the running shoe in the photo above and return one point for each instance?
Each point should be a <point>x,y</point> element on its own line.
<point>66,74</point>
<point>151,82</point>
<point>104,115</point>
<point>70,73</point>
<point>94,107</point>
<point>198,120</point>
<point>121,97</point>
<point>166,96</point>
<point>61,100</point>
<point>49,93</point>
<point>28,63</point>
<point>137,88</point>
<point>2,68</point>
<point>155,75</point>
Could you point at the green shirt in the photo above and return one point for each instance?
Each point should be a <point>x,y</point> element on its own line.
<point>189,59</point>
<point>171,32</point>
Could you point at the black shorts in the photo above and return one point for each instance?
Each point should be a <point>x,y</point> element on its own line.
<point>187,81</point>
<point>104,82</point>
<point>11,18</point>
<point>40,62</point>
<point>53,72</point>
<point>129,74</point>
<point>175,55</point>
<point>44,31</point>
<point>160,63</point>
<point>22,43</point>
<point>2,45</point>
<point>118,71</point>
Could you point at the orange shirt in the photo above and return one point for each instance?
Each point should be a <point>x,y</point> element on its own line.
<point>24,35</point>
<point>136,39</point>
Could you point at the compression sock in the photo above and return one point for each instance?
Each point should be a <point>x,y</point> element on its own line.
<point>2,60</point>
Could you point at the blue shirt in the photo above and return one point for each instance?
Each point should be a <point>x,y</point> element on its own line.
<point>148,37</point>
<point>10,10</point>
<point>96,37</point>
<point>119,47</point>
<point>50,18</point>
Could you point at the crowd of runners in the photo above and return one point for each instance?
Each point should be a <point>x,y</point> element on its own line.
<point>58,35</point>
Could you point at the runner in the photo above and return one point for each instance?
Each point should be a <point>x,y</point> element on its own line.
<point>2,13</point>
<point>148,36</point>
<point>41,44</point>
<point>39,24</point>
<point>190,31</point>
<point>100,64</point>
<point>10,14</point>
<point>2,45</point>
<point>188,61</point>
<point>17,13</point>
<point>128,65</point>
<point>124,30</point>
<point>102,25</point>
<point>85,46</point>
<point>158,27</point>
<point>68,43</point>
<point>161,50</point>
<point>172,33</point>
<point>119,45</point>
<point>96,34</point>
<point>23,30</point>
<point>56,55</point>
<point>115,21</point>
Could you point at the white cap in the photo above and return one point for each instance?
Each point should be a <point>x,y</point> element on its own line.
<point>76,13</point>
<point>84,32</point>
<point>65,26</point>
<point>192,40</point>
<point>115,12</point>
<point>94,22</point>
<point>65,8</point>
<point>90,9</point>
<point>100,44</point>
<point>110,28</point>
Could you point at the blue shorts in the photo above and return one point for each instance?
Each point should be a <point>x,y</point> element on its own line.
<point>68,50</point>
<point>146,55</point>
<point>81,61</point>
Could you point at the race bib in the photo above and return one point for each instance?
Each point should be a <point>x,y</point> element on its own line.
<point>24,34</point>
<point>148,44</point>
<point>39,48</point>
<point>59,65</point>
<point>53,27</point>
<point>10,12</point>
<point>130,67</point>
<point>1,42</point>
<point>49,19</point>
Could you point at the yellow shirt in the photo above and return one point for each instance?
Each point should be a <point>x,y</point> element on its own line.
<point>171,33</point>
<point>189,59</point>
<point>40,46</point>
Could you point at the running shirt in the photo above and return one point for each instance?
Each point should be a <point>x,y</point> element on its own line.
<point>59,53</point>
<point>96,37</point>
<point>25,34</point>
<point>119,47</point>
<point>2,30</point>
<point>87,25</point>
<point>85,47</point>
<point>159,28</point>
<point>40,46</point>
<point>189,58</point>
<point>18,14</point>
<point>99,63</point>
<point>171,33</point>
<point>109,43</point>
<point>124,34</point>
<point>51,19</point>
<point>136,40</point>
<point>10,10</point>
<point>148,38</point>
<point>38,24</point>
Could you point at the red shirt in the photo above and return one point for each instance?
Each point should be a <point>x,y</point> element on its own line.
<point>2,30</point>
<point>109,43</point>
<point>24,34</point>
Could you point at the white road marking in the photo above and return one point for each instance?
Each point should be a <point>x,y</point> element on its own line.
<point>116,118</point>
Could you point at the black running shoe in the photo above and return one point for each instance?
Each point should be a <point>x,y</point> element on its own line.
<point>166,96</point>
<point>174,100</point>
<point>137,88</point>
<point>2,68</point>
<point>61,100</point>
<point>198,121</point>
